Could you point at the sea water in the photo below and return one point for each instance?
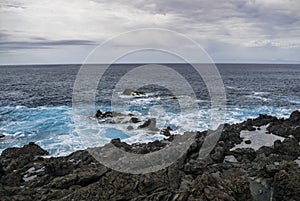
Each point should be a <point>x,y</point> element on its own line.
<point>36,102</point>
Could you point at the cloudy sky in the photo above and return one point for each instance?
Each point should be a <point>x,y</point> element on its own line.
<point>56,31</point>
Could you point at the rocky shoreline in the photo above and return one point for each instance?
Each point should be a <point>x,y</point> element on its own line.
<point>268,173</point>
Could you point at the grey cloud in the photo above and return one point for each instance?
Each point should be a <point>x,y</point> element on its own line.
<point>37,38</point>
<point>4,36</point>
<point>11,4</point>
<point>42,44</point>
<point>228,29</point>
<point>261,18</point>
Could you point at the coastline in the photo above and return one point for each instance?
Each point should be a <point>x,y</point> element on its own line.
<point>227,174</point>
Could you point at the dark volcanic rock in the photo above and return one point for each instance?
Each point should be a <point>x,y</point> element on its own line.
<point>122,145</point>
<point>104,115</point>
<point>31,149</point>
<point>231,135</point>
<point>262,120</point>
<point>286,127</point>
<point>134,120</point>
<point>98,114</point>
<point>289,146</point>
<point>166,131</point>
<point>15,160</point>
<point>145,124</point>
<point>256,175</point>
<point>149,124</point>
<point>218,154</point>
<point>295,117</point>
<point>286,183</point>
<point>245,154</point>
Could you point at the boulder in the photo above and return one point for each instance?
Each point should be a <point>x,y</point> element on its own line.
<point>30,149</point>
<point>295,116</point>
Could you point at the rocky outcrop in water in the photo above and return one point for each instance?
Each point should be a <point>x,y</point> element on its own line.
<point>130,92</point>
<point>227,174</point>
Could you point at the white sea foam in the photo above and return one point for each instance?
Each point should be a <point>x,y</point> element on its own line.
<point>144,138</point>
<point>259,93</point>
<point>259,98</point>
<point>296,101</point>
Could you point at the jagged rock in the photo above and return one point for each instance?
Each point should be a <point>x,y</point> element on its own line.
<point>218,154</point>
<point>57,167</point>
<point>98,114</point>
<point>231,135</point>
<point>286,127</point>
<point>295,116</point>
<point>117,142</point>
<point>263,120</point>
<point>103,115</point>
<point>289,146</point>
<point>286,183</point>
<point>244,154</point>
<point>31,149</point>
<point>208,187</point>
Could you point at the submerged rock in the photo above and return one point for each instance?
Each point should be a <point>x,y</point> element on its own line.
<point>149,124</point>
<point>134,120</point>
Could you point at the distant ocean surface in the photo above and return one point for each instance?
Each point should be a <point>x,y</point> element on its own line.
<point>36,102</point>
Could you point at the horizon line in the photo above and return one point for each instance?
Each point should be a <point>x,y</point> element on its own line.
<point>131,63</point>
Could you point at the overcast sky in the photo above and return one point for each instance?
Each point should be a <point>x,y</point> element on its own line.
<point>66,31</point>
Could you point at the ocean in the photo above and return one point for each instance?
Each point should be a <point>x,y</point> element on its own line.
<point>36,102</point>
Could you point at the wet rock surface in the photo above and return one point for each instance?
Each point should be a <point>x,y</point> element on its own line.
<point>269,173</point>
